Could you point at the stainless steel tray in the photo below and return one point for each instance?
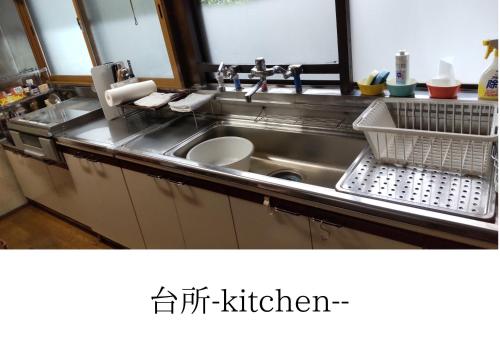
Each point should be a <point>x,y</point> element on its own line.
<point>50,120</point>
<point>420,187</point>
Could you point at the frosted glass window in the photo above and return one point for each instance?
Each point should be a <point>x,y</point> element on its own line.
<point>428,29</point>
<point>281,31</point>
<point>15,38</point>
<point>61,38</point>
<point>119,37</point>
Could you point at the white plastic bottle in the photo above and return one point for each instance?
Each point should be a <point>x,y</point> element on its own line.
<point>402,67</point>
<point>488,83</point>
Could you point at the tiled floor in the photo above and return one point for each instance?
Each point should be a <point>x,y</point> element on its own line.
<point>34,228</point>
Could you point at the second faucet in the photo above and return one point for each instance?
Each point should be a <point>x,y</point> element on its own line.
<point>262,72</point>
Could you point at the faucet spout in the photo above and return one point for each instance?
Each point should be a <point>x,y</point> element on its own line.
<point>261,71</point>
<point>254,89</point>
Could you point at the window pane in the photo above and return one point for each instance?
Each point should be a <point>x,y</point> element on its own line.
<point>17,50</point>
<point>428,29</point>
<point>60,36</point>
<point>281,31</point>
<point>7,63</point>
<point>118,38</point>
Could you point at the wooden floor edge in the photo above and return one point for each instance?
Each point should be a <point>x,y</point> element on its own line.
<point>75,223</point>
<point>13,211</point>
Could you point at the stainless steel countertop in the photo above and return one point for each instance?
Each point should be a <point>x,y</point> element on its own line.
<point>107,135</point>
<point>128,139</point>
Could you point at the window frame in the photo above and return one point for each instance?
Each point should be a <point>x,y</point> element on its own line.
<point>81,18</point>
<point>343,67</point>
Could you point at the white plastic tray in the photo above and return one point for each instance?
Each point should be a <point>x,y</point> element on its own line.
<point>448,135</point>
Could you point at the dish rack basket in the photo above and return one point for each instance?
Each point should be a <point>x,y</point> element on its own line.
<point>446,135</point>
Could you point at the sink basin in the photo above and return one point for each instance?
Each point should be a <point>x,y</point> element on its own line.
<point>314,157</point>
<point>226,151</point>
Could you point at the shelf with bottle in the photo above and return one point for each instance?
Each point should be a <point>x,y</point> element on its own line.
<point>22,87</point>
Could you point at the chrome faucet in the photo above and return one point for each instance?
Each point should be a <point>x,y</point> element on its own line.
<point>294,71</point>
<point>233,75</point>
<point>262,72</point>
<point>227,72</point>
<point>221,73</point>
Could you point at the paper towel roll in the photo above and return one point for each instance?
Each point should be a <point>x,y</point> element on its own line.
<point>129,92</point>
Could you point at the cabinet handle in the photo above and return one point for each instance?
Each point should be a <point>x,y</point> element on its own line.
<point>267,203</point>
<point>322,227</point>
<point>156,176</point>
<point>167,179</point>
<point>324,222</point>
<point>279,210</point>
<point>178,183</point>
<point>32,154</point>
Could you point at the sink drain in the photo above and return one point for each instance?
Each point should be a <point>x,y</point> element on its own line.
<point>288,175</point>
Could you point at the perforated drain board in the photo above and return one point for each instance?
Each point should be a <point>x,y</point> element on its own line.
<point>425,188</point>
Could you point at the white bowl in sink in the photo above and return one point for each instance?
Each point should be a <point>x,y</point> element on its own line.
<point>226,151</point>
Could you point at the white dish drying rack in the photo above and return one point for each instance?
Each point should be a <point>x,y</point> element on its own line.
<point>447,135</point>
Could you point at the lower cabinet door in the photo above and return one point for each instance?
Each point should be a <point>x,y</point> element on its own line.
<point>34,178</point>
<point>106,200</point>
<point>258,226</point>
<point>153,200</point>
<point>11,195</point>
<point>205,218</point>
<point>329,236</point>
<point>89,199</point>
<point>68,201</point>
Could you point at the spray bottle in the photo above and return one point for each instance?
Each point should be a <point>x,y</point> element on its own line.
<point>488,84</point>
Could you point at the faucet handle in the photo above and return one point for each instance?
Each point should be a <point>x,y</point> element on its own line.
<point>221,73</point>
<point>293,70</point>
<point>278,70</point>
<point>233,75</point>
<point>221,68</point>
<point>233,70</point>
<point>260,64</point>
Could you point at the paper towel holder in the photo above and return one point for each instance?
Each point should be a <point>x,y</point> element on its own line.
<point>103,76</point>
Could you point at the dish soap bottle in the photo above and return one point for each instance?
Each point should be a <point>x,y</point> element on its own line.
<point>488,84</point>
<point>402,67</point>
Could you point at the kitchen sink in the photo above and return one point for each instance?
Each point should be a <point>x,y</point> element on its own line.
<point>318,157</point>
